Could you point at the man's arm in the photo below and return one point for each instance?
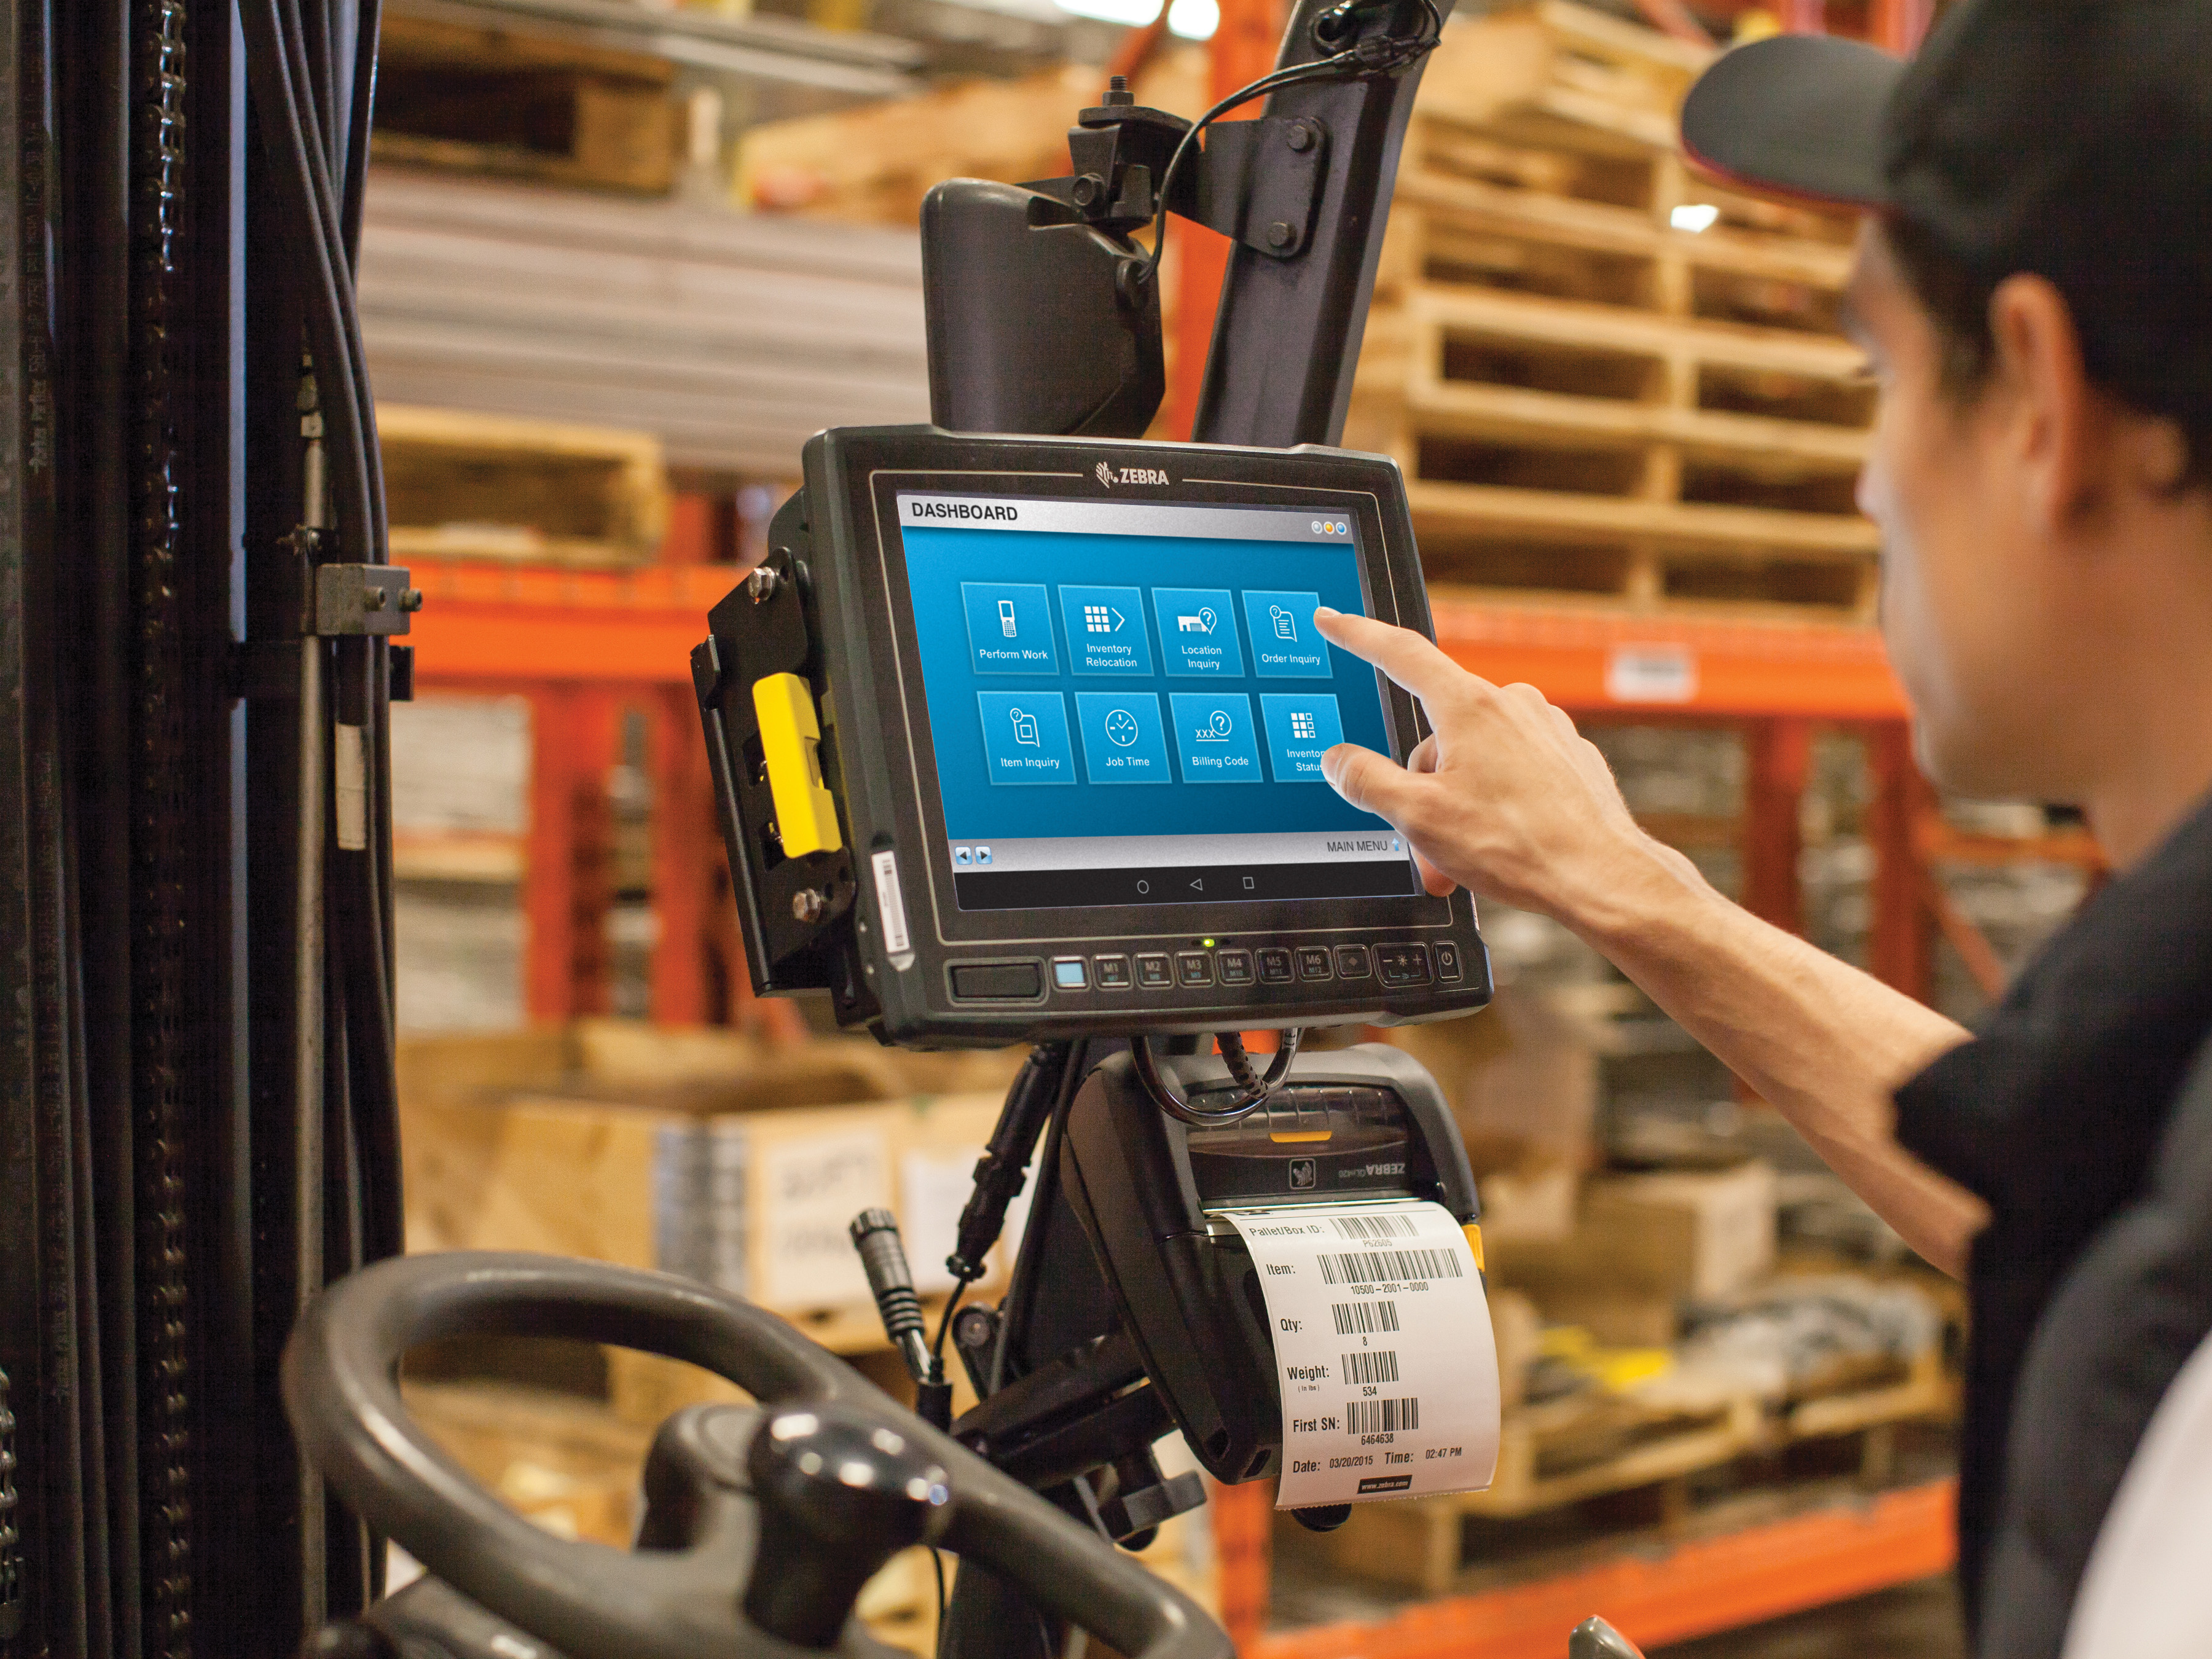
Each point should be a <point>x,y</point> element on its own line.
<point>1509,800</point>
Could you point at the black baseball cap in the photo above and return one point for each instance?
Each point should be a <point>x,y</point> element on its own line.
<point>2070,138</point>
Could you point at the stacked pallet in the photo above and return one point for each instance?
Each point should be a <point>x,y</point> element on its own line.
<point>729,337</point>
<point>1604,375</point>
<point>466,485</point>
<point>874,165</point>
<point>488,100</point>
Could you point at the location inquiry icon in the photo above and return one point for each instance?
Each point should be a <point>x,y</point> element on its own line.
<point>1121,727</point>
<point>1025,728</point>
<point>1216,730</point>
<point>1201,623</point>
<point>1286,625</point>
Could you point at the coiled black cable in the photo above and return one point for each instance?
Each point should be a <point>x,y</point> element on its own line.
<point>1252,1089</point>
<point>1378,55</point>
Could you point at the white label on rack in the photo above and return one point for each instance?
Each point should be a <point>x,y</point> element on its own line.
<point>1383,1351</point>
<point>1651,673</point>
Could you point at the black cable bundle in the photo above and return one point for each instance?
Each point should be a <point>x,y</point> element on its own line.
<point>316,132</point>
<point>311,70</point>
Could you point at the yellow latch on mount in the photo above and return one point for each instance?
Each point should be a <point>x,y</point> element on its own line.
<point>791,744</point>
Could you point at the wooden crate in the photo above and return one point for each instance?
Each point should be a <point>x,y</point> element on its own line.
<point>465,485</point>
<point>1588,398</point>
<point>569,1465</point>
<point>1549,1455</point>
<point>1564,1452</point>
<point>875,163</point>
<point>514,104</point>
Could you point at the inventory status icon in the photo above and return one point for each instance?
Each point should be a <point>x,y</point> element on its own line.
<point>1302,725</point>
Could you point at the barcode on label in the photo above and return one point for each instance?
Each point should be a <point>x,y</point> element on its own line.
<point>1380,1366</point>
<point>1376,1229</point>
<point>1382,1416</point>
<point>1379,1267</point>
<point>1365,1318</point>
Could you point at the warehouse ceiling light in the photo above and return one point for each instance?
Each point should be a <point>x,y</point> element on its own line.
<point>1694,216</point>
<point>1131,12</point>
<point>1193,20</point>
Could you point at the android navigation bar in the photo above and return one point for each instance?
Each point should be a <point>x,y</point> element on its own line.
<point>991,889</point>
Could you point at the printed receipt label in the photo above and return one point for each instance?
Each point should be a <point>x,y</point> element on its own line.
<point>1383,1348</point>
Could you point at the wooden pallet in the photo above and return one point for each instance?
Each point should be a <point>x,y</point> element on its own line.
<point>1588,399</point>
<point>1565,1452</point>
<point>464,485</point>
<point>516,104</point>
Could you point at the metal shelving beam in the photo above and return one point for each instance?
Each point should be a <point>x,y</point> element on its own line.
<point>489,623</point>
<point>1695,1589</point>
<point>778,49</point>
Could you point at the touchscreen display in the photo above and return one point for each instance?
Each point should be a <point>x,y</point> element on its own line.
<point>1129,703</point>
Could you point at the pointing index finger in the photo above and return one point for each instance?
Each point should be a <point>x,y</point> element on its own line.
<point>1410,659</point>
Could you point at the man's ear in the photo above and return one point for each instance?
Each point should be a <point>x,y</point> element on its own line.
<point>2057,423</point>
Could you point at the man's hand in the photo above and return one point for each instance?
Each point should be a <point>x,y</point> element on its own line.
<point>1506,798</point>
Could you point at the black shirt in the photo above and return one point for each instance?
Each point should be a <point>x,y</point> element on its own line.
<point>2051,1115</point>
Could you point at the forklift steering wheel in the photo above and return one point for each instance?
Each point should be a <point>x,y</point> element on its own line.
<point>762,1523</point>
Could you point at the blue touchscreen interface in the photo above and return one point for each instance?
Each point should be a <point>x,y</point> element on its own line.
<point>1129,701</point>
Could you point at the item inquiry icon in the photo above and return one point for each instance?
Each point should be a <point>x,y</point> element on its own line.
<point>1122,728</point>
<point>1216,730</point>
<point>1201,623</point>
<point>1286,625</point>
<point>1025,729</point>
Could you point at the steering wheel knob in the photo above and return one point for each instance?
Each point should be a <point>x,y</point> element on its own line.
<point>839,1494</point>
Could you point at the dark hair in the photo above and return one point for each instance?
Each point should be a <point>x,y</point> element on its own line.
<point>1957,301</point>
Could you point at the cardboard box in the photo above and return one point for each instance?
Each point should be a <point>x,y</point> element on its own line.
<point>757,1202</point>
<point>1521,1081</point>
<point>1699,1235</point>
